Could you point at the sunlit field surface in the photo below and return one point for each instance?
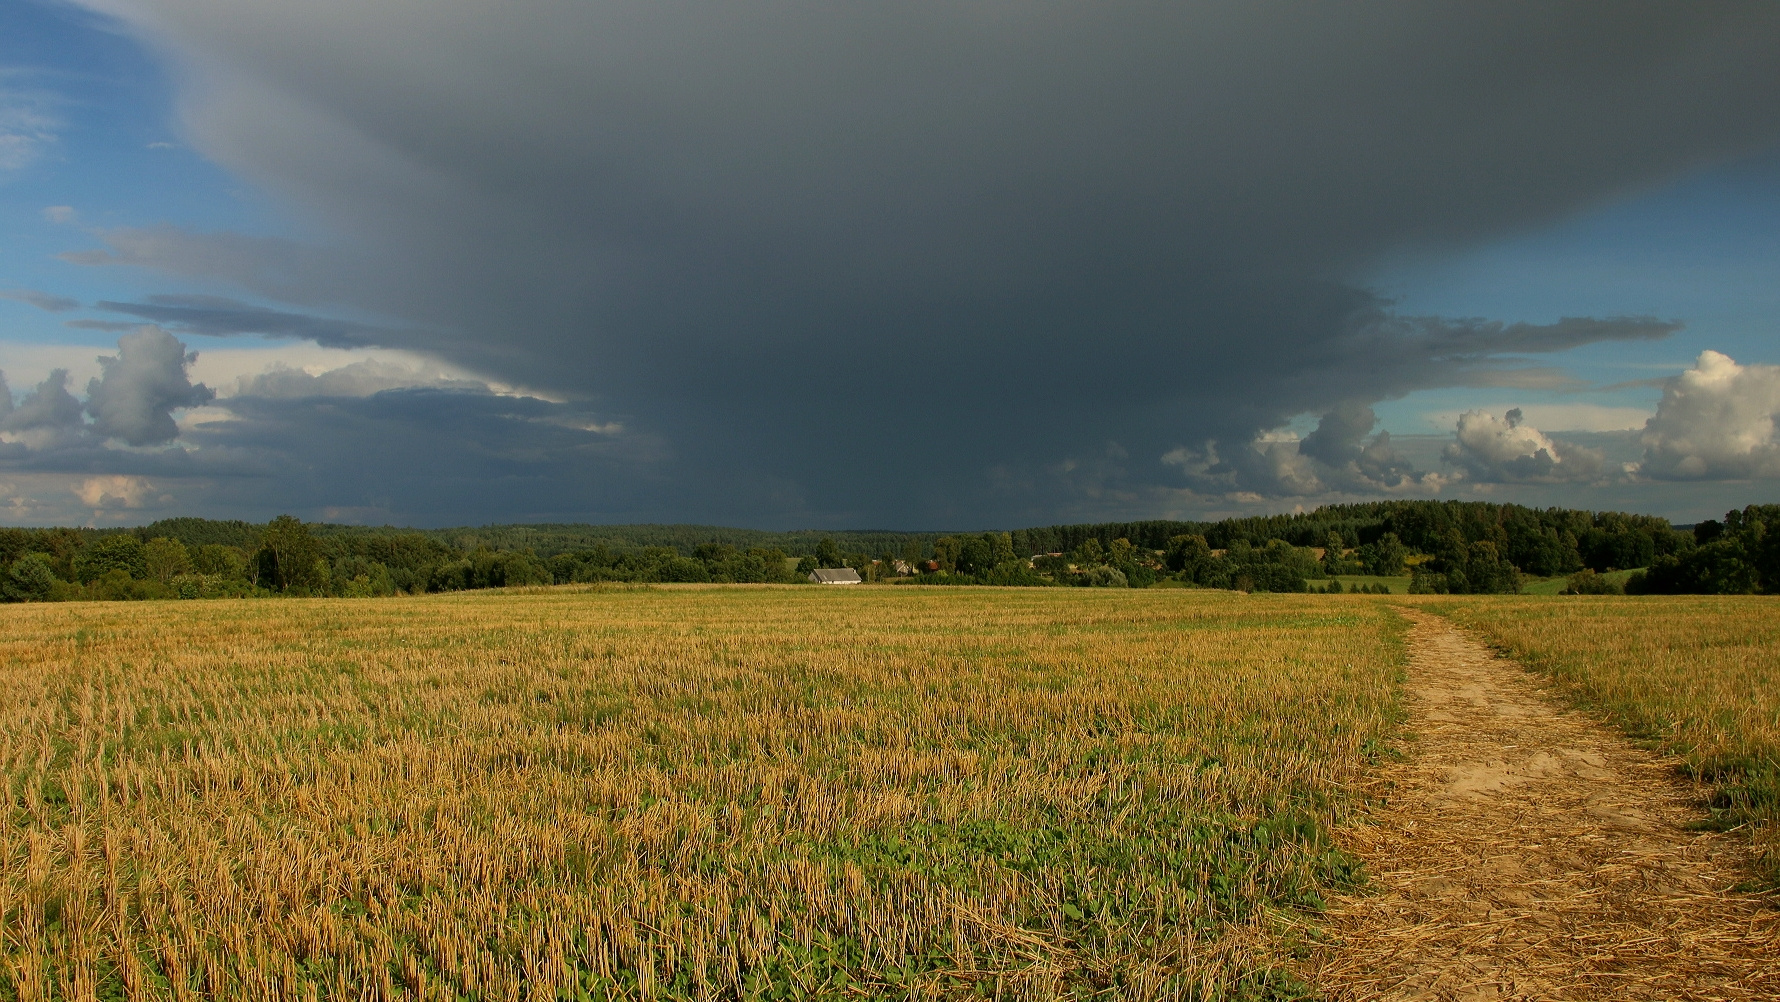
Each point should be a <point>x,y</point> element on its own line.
<point>680,792</point>
<point>1698,675</point>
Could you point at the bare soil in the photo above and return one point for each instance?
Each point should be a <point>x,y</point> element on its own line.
<point>1523,851</point>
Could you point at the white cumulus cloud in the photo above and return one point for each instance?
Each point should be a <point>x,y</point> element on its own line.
<point>1716,421</point>
<point>1508,450</point>
<point>1342,455</point>
<point>355,379</point>
<point>116,491</point>
<point>134,397</point>
<point>48,417</point>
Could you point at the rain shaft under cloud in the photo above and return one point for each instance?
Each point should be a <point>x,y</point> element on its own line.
<point>933,263</point>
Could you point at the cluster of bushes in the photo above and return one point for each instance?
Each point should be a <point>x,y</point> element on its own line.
<point>1334,588</point>
<point>1274,566</point>
<point>1448,547</point>
<point>990,558</point>
<point>1461,547</point>
<point>1738,556</point>
<point>121,566</point>
<point>1459,568</point>
<point>1090,565</point>
<point>1588,582</point>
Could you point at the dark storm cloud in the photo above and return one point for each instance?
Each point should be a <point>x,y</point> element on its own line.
<point>274,266</point>
<point>1348,460</point>
<point>359,443</point>
<point>427,457</point>
<point>407,456</point>
<point>218,316</point>
<point>902,263</point>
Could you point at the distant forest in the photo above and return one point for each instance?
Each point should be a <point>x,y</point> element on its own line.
<point>1439,546</point>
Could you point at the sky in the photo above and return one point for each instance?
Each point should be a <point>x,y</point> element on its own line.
<point>894,265</point>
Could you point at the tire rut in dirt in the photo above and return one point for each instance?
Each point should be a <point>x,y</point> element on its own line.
<point>1526,852</point>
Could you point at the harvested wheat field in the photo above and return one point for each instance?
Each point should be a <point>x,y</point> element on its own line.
<point>681,793</point>
<point>1526,852</point>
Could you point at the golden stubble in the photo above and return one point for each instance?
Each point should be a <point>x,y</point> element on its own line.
<point>676,792</point>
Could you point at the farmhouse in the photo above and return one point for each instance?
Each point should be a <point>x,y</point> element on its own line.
<point>835,575</point>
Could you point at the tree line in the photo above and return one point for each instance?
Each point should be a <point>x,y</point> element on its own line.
<point>1442,546</point>
<point>193,558</point>
<point>1738,556</point>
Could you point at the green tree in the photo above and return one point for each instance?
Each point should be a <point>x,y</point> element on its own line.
<point>14,543</point>
<point>117,552</point>
<point>1587,582</point>
<point>946,550</point>
<point>289,557</point>
<point>1721,567</point>
<point>1121,553</point>
<point>30,578</point>
<point>976,554</point>
<point>165,559</point>
<point>911,553</point>
<point>1187,551</point>
<point>1106,577</point>
<point>886,562</point>
<point>1090,553</point>
<point>684,569</point>
<point>1384,557</point>
<point>827,554</point>
<point>1001,548</point>
<point>218,560</point>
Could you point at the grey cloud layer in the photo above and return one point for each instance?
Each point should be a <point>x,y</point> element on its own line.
<point>355,379</point>
<point>957,245</point>
<point>41,300</point>
<point>217,316</point>
<point>369,439</point>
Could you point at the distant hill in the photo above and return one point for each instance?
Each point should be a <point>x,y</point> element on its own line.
<point>549,539</point>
